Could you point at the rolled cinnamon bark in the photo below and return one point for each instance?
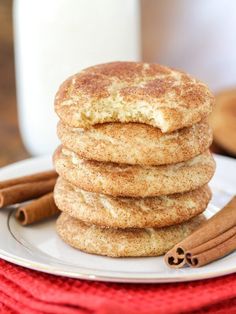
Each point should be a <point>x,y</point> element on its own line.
<point>213,240</point>
<point>40,176</point>
<point>213,249</point>
<point>37,210</point>
<point>25,192</point>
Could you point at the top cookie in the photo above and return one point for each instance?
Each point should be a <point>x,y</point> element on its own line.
<point>133,92</point>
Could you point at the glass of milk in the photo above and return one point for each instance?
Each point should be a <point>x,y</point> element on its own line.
<point>55,39</point>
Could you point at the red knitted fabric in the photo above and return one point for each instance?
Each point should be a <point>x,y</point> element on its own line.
<point>30,292</point>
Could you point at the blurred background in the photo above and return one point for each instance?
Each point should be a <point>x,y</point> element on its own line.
<point>44,41</point>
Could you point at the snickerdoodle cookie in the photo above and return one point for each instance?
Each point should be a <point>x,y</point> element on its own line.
<point>223,121</point>
<point>133,92</point>
<point>134,180</point>
<point>136,143</point>
<point>123,242</point>
<point>126,212</point>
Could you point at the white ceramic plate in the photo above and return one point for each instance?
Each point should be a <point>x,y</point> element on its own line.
<point>38,247</point>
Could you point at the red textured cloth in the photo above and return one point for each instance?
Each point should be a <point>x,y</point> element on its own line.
<point>30,292</point>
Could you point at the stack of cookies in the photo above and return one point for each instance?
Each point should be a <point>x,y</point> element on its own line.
<point>134,161</point>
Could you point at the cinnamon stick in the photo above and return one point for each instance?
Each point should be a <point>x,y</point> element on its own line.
<point>213,249</point>
<point>40,176</point>
<point>37,210</point>
<point>25,192</point>
<point>215,239</point>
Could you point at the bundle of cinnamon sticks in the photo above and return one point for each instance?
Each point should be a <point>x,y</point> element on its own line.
<point>213,240</point>
<point>37,186</point>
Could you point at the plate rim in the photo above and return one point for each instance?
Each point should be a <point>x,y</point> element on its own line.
<point>116,279</point>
